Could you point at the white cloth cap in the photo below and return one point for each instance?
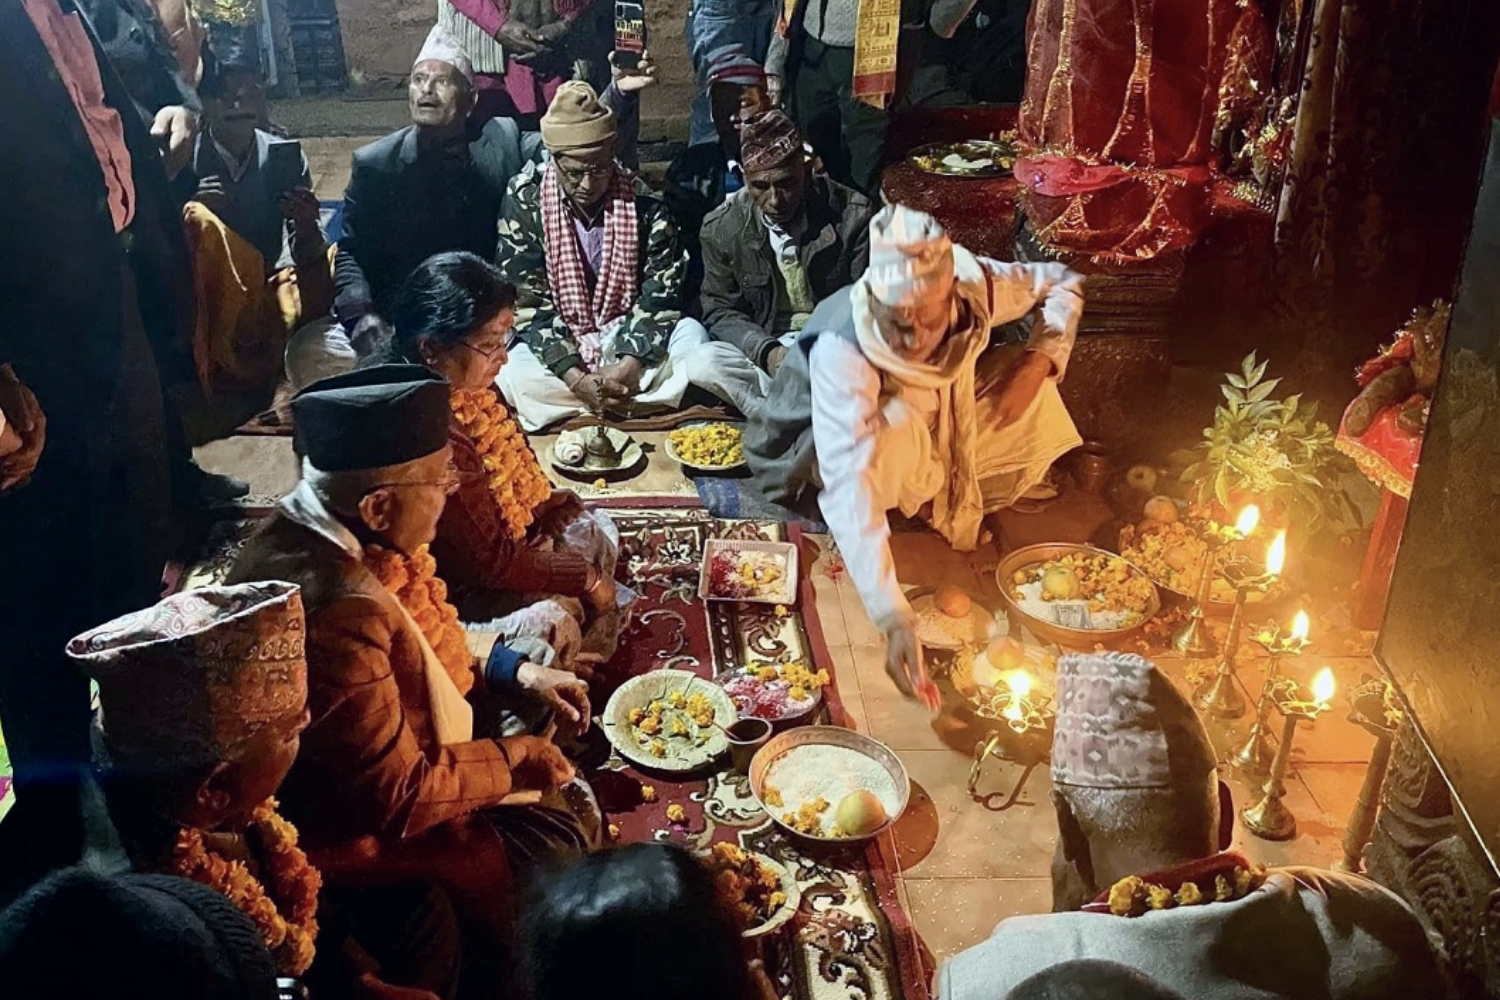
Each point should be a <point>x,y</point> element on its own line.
<point>911,256</point>
<point>442,46</point>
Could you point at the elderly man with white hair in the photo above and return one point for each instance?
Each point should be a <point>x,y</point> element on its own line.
<point>890,399</point>
<point>435,186</point>
<point>432,186</point>
<point>422,761</point>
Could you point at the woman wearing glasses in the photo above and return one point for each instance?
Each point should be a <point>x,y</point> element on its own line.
<point>508,544</point>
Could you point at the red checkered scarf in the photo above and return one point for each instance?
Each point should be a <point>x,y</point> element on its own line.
<point>616,283</point>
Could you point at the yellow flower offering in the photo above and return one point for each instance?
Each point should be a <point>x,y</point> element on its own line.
<point>1109,584</point>
<point>708,446</point>
<point>750,887</point>
<point>676,814</point>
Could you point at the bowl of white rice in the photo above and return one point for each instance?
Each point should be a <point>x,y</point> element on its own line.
<point>795,772</point>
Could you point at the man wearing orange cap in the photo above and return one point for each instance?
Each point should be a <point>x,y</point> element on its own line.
<point>890,399</point>
<point>1143,876</point>
<point>203,702</point>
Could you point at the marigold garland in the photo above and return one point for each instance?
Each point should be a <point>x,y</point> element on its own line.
<point>1133,896</point>
<point>413,581</point>
<point>512,472</point>
<point>283,902</point>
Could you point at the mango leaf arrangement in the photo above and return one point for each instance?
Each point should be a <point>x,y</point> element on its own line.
<point>1271,451</point>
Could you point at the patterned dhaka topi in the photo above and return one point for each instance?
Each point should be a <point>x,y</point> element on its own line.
<point>1122,724</point>
<point>195,678</point>
<point>767,141</point>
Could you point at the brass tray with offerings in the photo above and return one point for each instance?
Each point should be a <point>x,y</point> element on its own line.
<point>976,158</point>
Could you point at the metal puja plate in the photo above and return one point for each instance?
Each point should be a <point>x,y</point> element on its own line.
<point>780,746</point>
<point>631,457</point>
<point>940,631</point>
<point>1071,626</point>
<point>970,158</point>
<point>682,753</point>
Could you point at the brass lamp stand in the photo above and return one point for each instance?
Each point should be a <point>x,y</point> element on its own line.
<point>1026,739</point>
<point>1254,757</point>
<point>1195,640</point>
<point>1269,818</point>
<point>1220,697</point>
<point>1369,711</point>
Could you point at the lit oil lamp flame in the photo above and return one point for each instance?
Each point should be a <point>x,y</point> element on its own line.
<point>1324,686</point>
<point>1249,518</point>
<point>1276,554</point>
<point>1019,683</point>
<point>1301,626</point>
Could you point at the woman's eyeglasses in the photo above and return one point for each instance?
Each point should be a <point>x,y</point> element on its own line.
<point>490,355</point>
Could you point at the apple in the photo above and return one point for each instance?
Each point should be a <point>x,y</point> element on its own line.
<point>952,601</point>
<point>1060,583</point>
<point>860,813</point>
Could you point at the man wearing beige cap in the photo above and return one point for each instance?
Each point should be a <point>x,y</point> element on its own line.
<point>891,399</point>
<point>600,269</point>
<point>1143,876</point>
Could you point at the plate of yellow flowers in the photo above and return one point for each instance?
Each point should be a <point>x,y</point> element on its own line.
<point>762,893</point>
<point>669,720</point>
<point>707,446</point>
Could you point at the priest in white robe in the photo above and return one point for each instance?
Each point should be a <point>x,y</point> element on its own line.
<point>893,398</point>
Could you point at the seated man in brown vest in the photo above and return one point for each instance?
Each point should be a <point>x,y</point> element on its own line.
<point>394,780</point>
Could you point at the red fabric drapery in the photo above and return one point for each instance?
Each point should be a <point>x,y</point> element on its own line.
<point>1125,104</point>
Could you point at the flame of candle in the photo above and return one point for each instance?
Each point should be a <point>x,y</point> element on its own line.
<point>1276,554</point>
<point>1249,518</point>
<point>1301,626</point>
<point>1323,686</point>
<point>1012,711</point>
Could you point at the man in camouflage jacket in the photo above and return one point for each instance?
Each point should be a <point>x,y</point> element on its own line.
<point>600,268</point>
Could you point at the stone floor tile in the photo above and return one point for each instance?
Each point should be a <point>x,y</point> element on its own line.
<point>948,835</point>
<point>955,914</point>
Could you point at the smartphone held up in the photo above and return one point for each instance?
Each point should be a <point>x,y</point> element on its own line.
<point>630,33</point>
